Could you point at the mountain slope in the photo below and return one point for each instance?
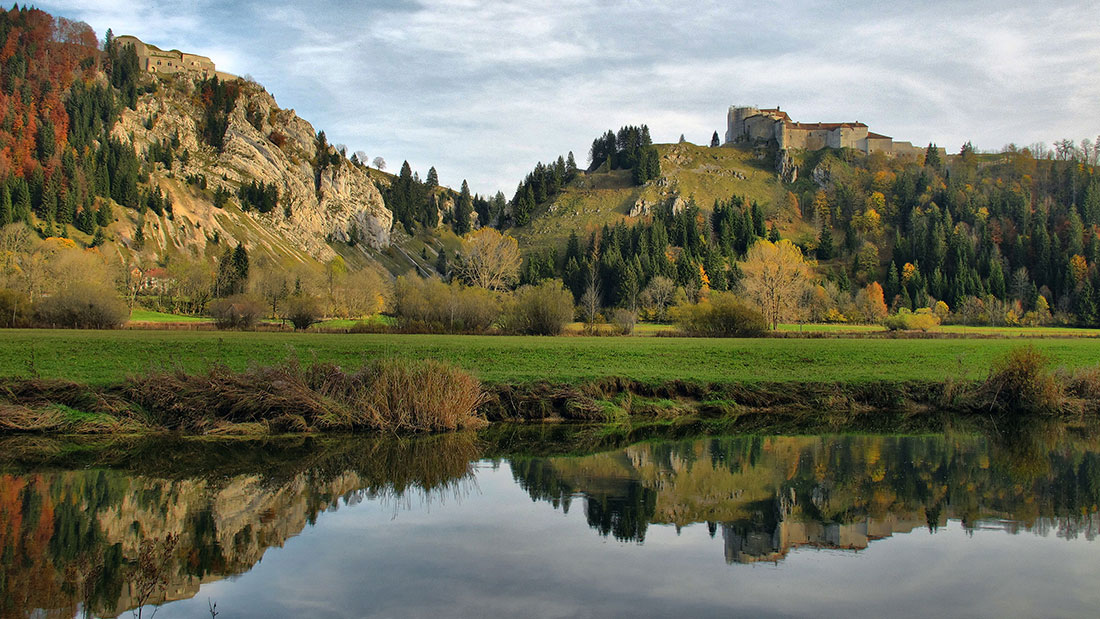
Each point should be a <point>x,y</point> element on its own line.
<point>262,144</point>
<point>688,171</point>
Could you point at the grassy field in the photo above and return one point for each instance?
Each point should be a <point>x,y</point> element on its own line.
<point>841,329</point>
<point>143,315</point>
<point>101,357</point>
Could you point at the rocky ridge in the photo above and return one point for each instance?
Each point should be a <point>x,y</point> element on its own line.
<point>263,143</point>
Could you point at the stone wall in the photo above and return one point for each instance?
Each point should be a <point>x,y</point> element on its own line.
<point>746,124</point>
<point>152,59</point>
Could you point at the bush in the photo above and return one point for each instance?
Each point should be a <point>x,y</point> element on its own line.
<point>82,305</point>
<point>302,310</point>
<point>1021,381</point>
<point>433,306</point>
<point>421,396</point>
<point>543,309</point>
<point>906,320</point>
<point>239,311</point>
<point>624,321</point>
<point>393,395</point>
<point>722,315</point>
<point>15,308</point>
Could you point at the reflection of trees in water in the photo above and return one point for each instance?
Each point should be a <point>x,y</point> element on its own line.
<point>74,537</point>
<point>618,506</point>
<point>772,494</point>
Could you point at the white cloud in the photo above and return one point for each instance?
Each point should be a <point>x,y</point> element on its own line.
<point>484,90</point>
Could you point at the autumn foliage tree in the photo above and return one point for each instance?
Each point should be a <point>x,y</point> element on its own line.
<point>776,277</point>
<point>870,304</point>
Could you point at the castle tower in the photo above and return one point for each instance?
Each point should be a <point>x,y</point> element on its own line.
<point>735,122</point>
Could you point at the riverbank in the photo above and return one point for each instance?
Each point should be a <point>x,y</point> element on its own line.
<point>402,396</point>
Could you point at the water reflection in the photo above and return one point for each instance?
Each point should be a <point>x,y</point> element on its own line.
<point>75,522</point>
<point>769,495</point>
<point>72,540</point>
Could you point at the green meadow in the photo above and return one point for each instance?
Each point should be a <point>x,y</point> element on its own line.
<point>102,357</point>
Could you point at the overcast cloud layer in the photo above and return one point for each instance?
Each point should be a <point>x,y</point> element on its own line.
<point>484,90</point>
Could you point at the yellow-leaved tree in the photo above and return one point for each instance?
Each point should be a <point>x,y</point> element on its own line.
<point>776,278</point>
<point>489,259</point>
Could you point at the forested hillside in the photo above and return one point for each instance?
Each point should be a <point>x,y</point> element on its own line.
<point>997,237</point>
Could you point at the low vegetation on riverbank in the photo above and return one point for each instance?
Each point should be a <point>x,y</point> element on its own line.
<point>391,395</point>
<point>405,396</point>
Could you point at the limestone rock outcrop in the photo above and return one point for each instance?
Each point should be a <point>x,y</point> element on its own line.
<point>265,144</point>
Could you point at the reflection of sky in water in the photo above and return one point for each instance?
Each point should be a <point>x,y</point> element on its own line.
<point>495,552</point>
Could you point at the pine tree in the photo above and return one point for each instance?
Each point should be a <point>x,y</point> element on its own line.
<point>825,248</point>
<point>21,202</point>
<point>1086,304</point>
<point>433,178</point>
<point>758,221</point>
<point>139,234</point>
<point>714,143</point>
<point>906,300</point>
<point>103,215</point>
<point>893,283</point>
<point>463,208</point>
<point>996,279</point>
<point>932,157</point>
<point>5,206</point>
<point>240,268</point>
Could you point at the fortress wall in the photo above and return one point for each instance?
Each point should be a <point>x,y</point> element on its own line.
<point>155,60</point>
<point>760,128</point>
<point>751,124</point>
<point>805,139</point>
<point>906,149</point>
<point>871,145</point>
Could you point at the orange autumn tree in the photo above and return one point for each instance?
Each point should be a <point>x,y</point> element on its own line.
<point>870,304</point>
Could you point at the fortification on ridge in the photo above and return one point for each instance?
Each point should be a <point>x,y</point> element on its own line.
<point>755,125</point>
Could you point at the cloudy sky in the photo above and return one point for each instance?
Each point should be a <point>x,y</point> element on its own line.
<point>484,90</point>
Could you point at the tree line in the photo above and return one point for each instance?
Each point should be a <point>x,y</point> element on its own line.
<point>1020,227</point>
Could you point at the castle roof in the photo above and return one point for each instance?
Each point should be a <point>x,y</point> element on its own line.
<point>871,135</point>
<point>824,126</point>
<point>775,112</point>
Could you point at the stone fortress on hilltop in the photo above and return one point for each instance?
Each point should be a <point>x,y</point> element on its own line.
<point>153,59</point>
<point>748,125</point>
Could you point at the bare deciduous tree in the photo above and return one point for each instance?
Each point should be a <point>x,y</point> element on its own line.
<point>658,296</point>
<point>489,259</point>
<point>380,163</point>
<point>271,283</point>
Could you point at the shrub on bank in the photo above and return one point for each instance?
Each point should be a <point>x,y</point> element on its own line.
<point>1021,382</point>
<point>393,395</point>
<point>434,306</point>
<point>720,315</point>
<point>542,309</point>
<point>82,305</point>
<point>905,320</point>
<point>303,310</point>
<point>239,311</point>
<point>624,321</point>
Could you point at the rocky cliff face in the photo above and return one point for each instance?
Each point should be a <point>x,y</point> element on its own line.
<point>263,143</point>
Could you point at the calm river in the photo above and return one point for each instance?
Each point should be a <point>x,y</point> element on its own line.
<point>831,526</point>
